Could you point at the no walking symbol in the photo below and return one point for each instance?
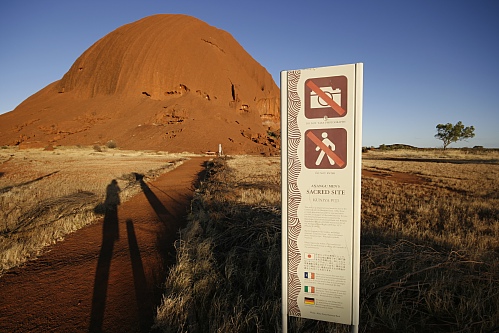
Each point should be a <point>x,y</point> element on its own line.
<point>326,148</point>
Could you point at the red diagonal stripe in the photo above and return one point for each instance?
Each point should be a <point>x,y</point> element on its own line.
<point>328,151</point>
<point>338,109</point>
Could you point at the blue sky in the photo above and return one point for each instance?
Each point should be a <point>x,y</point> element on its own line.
<point>425,62</point>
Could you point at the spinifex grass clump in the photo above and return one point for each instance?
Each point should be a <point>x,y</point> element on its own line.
<point>429,251</point>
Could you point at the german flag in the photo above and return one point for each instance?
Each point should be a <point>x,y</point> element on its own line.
<point>309,301</point>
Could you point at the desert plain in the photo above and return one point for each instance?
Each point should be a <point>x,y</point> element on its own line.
<point>429,242</point>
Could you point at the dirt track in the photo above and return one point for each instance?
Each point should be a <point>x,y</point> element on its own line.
<point>106,277</point>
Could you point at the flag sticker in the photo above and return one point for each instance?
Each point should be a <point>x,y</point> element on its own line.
<point>310,275</point>
<point>309,301</point>
<point>310,289</point>
<point>310,256</point>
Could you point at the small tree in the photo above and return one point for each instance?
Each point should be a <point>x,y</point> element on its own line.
<point>449,133</point>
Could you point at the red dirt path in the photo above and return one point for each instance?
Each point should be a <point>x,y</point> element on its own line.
<point>106,277</point>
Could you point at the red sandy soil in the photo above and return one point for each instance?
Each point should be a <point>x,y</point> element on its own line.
<point>166,82</point>
<point>106,277</point>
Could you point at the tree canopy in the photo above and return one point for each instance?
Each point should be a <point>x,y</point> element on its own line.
<point>449,133</point>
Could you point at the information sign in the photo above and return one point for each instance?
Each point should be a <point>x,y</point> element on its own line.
<point>321,112</point>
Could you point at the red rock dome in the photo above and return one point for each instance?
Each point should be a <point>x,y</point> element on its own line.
<point>169,82</point>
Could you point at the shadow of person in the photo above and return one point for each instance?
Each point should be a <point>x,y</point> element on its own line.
<point>156,204</point>
<point>144,301</point>
<point>110,229</point>
<point>110,233</point>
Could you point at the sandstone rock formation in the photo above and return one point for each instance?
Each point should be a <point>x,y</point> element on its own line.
<point>165,82</point>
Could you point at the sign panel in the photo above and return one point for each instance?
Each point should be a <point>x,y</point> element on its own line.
<point>321,170</point>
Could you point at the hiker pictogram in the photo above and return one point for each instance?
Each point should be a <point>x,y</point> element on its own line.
<point>326,148</point>
<point>322,154</point>
<point>326,97</point>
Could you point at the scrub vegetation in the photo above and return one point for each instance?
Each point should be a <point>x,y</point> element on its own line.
<point>429,247</point>
<point>429,242</point>
<point>44,195</point>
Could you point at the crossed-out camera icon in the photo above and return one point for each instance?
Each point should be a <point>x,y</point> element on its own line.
<point>317,102</point>
<point>326,97</point>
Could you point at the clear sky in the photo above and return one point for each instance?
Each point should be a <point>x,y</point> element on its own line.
<point>425,61</point>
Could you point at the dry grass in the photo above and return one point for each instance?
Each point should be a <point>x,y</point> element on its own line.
<point>429,253</point>
<point>462,155</point>
<point>454,171</point>
<point>222,282</point>
<point>45,195</point>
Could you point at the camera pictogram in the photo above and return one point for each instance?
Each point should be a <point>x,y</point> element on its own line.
<point>326,97</point>
<point>316,100</point>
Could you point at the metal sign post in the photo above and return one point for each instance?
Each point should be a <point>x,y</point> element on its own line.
<point>321,112</point>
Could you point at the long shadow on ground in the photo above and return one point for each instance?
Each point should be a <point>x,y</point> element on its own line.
<point>172,220</point>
